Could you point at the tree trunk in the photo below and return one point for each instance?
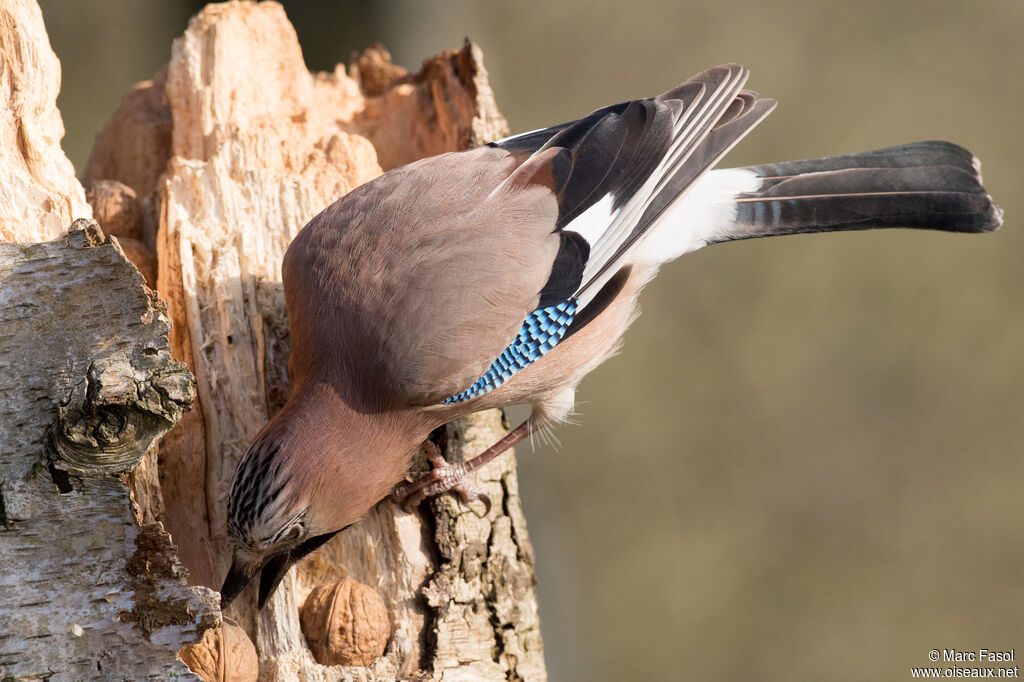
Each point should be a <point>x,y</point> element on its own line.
<point>223,157</point>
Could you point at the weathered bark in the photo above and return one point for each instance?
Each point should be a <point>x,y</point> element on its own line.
<point>87,588</point>
<point>229,152</point>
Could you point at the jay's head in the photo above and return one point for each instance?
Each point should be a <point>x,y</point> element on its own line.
<point>275,514</point>
<point>315,469</point>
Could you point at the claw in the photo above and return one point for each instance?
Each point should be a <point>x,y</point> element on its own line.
<point>469,493</point>
<point>443,477</point>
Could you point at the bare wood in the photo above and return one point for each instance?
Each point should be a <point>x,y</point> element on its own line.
<point>41,195</point>
<point>256,146</point>
<point>254,158</point>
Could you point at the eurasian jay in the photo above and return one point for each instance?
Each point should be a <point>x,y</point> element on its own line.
<point>502,275</point>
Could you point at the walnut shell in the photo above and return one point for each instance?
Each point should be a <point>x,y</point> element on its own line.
<point>224,654</point>
<point>345,623</point>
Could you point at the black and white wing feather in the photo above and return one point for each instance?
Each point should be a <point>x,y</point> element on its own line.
<point>617,172</point>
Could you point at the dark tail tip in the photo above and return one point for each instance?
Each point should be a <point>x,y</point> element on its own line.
<point>929,185</point>
<point>993,217</point>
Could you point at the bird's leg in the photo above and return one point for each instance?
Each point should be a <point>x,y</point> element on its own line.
<point>446,476</point>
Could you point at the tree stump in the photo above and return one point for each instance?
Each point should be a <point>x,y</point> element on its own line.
<point>221,159</point>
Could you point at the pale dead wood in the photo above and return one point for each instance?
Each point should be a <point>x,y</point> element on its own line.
<point>41,195</point>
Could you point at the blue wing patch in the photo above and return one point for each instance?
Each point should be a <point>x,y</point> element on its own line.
<point>541,331</point>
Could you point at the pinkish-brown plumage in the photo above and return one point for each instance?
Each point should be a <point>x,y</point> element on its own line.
<point>411,300</point>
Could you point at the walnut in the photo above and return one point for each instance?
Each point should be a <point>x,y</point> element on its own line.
<point>224,654</point>
<point>345,623</point>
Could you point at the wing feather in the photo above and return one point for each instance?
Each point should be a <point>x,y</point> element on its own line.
<point>614,174</point>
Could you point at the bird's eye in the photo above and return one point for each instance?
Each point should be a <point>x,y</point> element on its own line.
<point>293,533</point>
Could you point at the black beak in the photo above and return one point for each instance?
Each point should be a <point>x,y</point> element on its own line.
<point>275,568</point>
<point>271,571</point>
<point>239,576</point>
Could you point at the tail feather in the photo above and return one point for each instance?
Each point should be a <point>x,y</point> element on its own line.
<point>930,185</point>
<point>929,153</point>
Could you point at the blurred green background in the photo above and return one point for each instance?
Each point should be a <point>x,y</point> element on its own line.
<point>806,464</point>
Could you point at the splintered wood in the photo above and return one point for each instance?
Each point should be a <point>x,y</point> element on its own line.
<point>41,196</point>
<point>230,151</point>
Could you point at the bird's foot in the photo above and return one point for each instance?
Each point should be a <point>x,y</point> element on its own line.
<point>442,477</point>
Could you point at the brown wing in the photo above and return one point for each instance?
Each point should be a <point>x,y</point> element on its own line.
<point>415,283</point>
<point>406,289</point>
